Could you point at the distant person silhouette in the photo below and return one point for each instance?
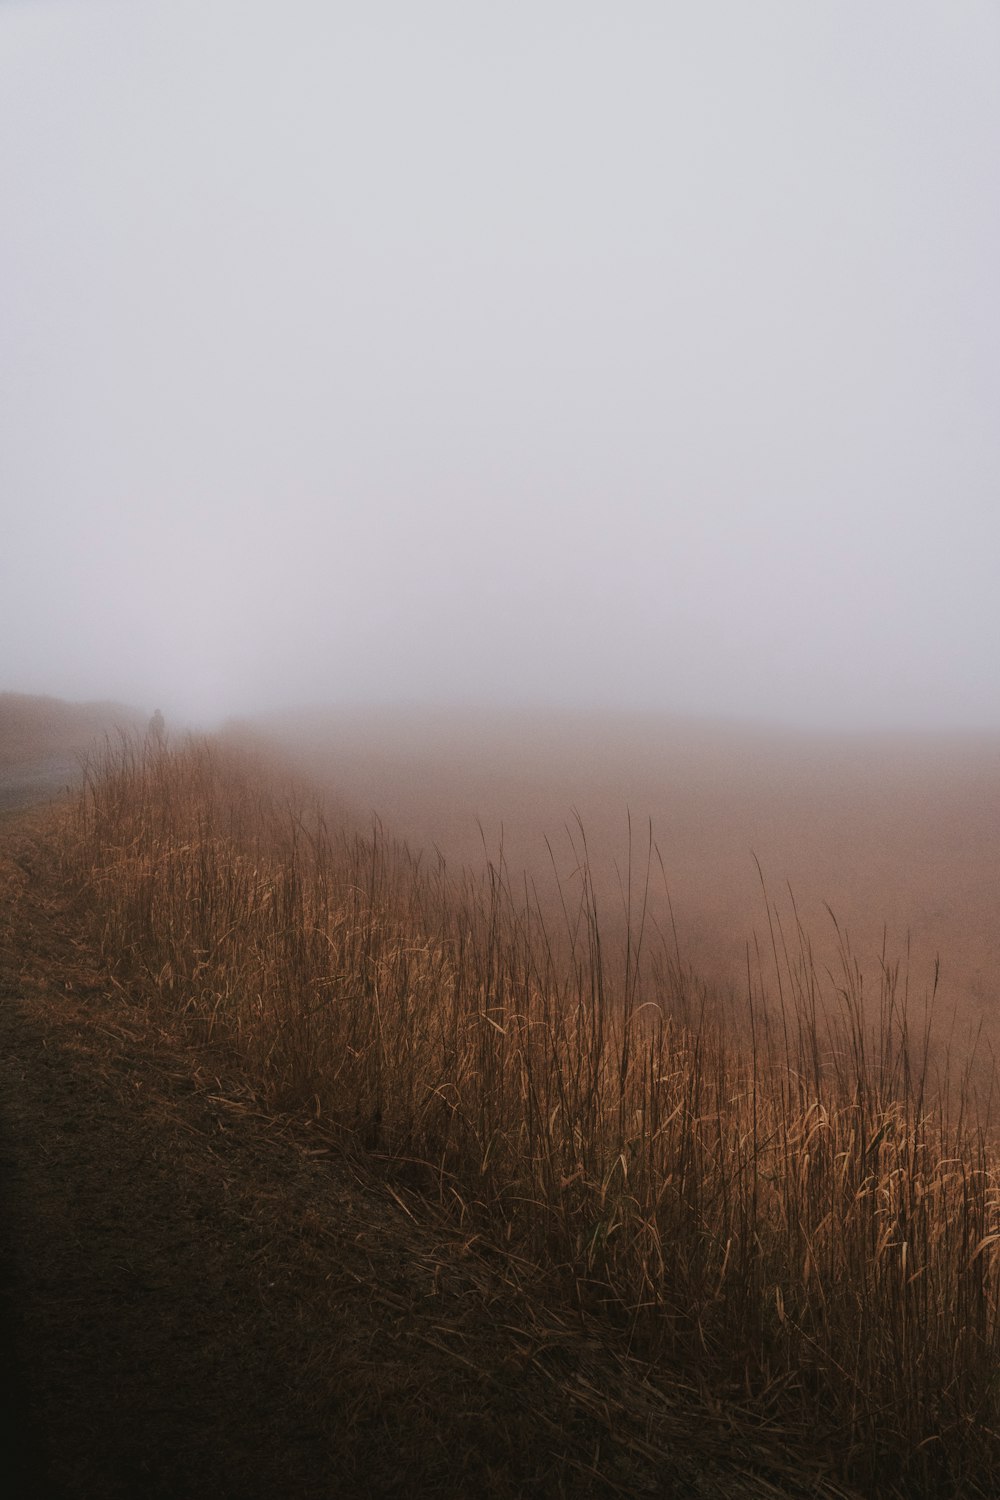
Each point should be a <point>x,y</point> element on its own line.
<point>157,728</point>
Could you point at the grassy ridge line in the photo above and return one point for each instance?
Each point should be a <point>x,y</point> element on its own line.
<point>788,1213</point>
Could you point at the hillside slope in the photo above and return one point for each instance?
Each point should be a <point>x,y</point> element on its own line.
<point>200,1299</point>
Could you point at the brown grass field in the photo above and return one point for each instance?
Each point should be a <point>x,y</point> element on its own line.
<point>752,1161</point>
<point>898,835</point>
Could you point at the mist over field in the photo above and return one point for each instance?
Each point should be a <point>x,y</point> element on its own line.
<point>527,412</point>
<point>896,836</point>
<point>500,747</point>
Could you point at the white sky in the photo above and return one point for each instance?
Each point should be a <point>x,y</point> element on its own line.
<point>637,354</point>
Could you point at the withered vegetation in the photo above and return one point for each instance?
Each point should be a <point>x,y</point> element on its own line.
<point>782,1204</point>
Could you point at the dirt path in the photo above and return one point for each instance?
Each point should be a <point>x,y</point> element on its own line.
<point>201,1301</point>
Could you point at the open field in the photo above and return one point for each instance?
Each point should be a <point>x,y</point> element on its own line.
<point>206,1290</point>
<point>522,1017</point>
<point>753,1229</point>
<point>782,1201</point>
<point>899,835</point>
<point>202,1297</point>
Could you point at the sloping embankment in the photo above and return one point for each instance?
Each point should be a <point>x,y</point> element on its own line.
<point>200,1300</point>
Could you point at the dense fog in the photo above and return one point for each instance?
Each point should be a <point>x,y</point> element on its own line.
<point>881,850</point>
<point>633,358</point>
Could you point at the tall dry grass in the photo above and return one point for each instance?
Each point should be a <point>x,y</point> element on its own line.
<point>787,1205</point>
